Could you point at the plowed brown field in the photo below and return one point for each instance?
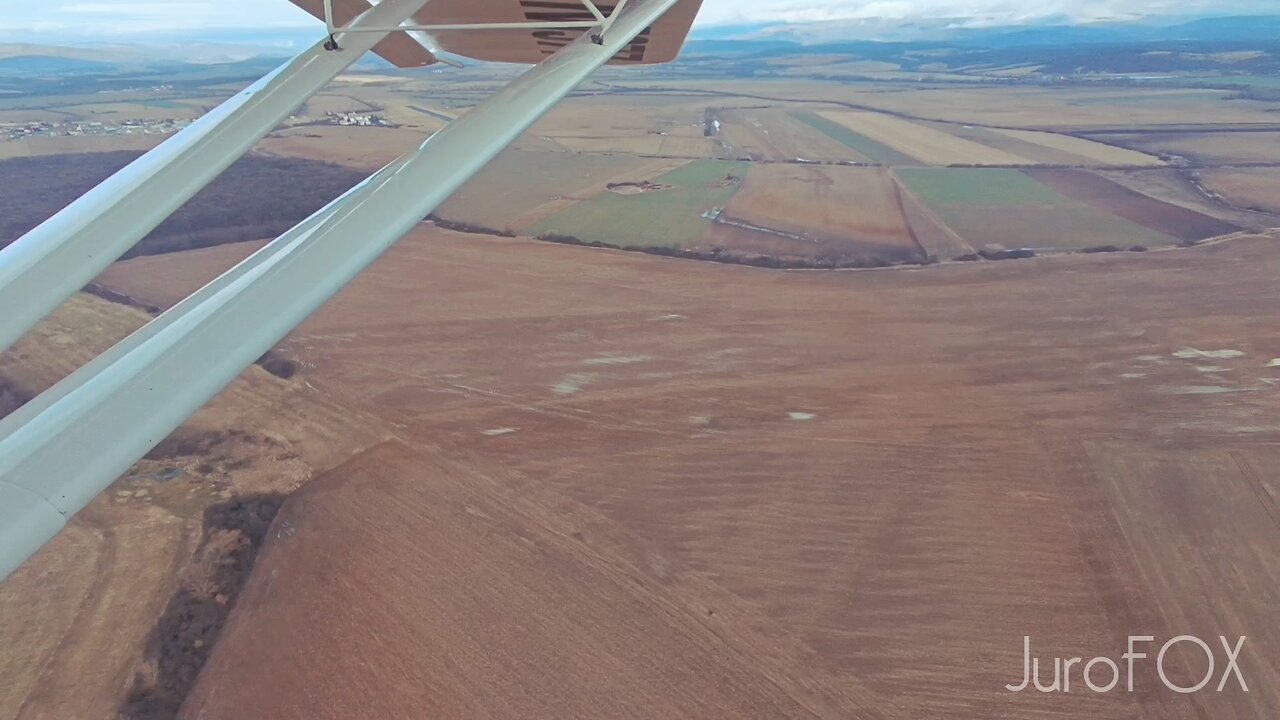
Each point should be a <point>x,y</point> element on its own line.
<point>836,211</point>
<point>1101,193</point>
<point>865,487</point>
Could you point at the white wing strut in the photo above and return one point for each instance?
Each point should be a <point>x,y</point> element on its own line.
<point>43,268</point>
<point>69,444</point>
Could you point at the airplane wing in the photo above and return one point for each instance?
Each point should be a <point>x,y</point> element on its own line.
<point>63,448</point>
<point>399,48</point>
<point>659,43</point>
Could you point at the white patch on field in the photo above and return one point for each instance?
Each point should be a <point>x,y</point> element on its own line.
<point>571,384</point>
<point>1151,358</point>
<point>672,317</point>
<point>700,420</point>
<point>499,432</point>
<point>801,416</point>
<point>1274,363</point>
<point>1194,354</point>
<point>1212,369</point>
<point>617,360</point>
<point>1133,376</point>
<point>1207,390</point>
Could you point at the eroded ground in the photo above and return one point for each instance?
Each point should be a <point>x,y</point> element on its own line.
<point>864,487</point>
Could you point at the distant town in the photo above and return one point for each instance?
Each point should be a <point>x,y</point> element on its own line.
<point>73,128</point>
<point>356,119</point>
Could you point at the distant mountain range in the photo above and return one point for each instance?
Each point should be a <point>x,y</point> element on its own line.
<point>1242,45</point>
<point>1054,31</point>
<point>1217,46</point>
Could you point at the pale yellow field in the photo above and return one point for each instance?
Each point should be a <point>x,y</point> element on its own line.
<point>1091,152</point>
<point>367,148</point>
<point>1209,147</point>
<point>824,202</point>
<point>120,111</point>
<point>773,134</point>
<point>630,126</point>
<point>641,145</point>
<point>926,144</point>
<point>26,116</point>
<point>522,187</point>
<point>320,105</point>
<point>34,147</point>
<point>1253,188</point>
<point>1063,108</point>
<point>687,147</point>
<point>405,116</point>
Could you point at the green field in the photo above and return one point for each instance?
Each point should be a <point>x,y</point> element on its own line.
<point>1000,208</point>
<point>673,217</point>
<point>962,186</point>
<point>870,149</point>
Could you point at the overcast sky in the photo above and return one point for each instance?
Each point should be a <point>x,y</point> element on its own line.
<point>107,18</point>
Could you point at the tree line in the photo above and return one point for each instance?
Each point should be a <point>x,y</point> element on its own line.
<point>257,197</point>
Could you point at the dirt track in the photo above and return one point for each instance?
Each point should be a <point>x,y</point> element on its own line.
<point>868,487</point>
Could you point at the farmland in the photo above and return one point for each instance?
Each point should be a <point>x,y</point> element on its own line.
<point>926,145</point>
<point>631,135</point>
<point>772,134</point>
<point>834,211</point>
<point>1077,151</point>
<point>677,214</point>
<point>969,201</point>
<point>978,447</point>
<point>531,183</point>
<point>519,479</point>
<point>1070,109</point>
<point>1106,196</point>
<point>870,150</point>
<point>1252,188</point>
<point>1208,148</point>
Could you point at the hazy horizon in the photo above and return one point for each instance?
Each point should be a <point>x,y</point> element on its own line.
<point>78,21</point>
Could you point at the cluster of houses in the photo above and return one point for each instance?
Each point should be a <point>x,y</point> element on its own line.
<point>349,119</point>
<point>75,128</point>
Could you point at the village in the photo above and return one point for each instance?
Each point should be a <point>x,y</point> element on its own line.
<point>11,131</point>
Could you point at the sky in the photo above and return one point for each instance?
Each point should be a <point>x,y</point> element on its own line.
<point>109,19</point>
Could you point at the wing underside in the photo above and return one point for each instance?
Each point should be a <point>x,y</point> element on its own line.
<point>399,49</point>
<point>659,43</point>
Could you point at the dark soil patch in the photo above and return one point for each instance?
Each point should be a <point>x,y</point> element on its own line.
<point>278,365</point>
<point>1177,222</point>
<point>188,443</point>
<point>738,257</point>
<point>184,636</point>
<point>11,397</point>
<point>120,298</point>
<point>633,188</point>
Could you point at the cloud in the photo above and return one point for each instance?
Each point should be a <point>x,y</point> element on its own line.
<point>108,18</point>
<point>113,18</point>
